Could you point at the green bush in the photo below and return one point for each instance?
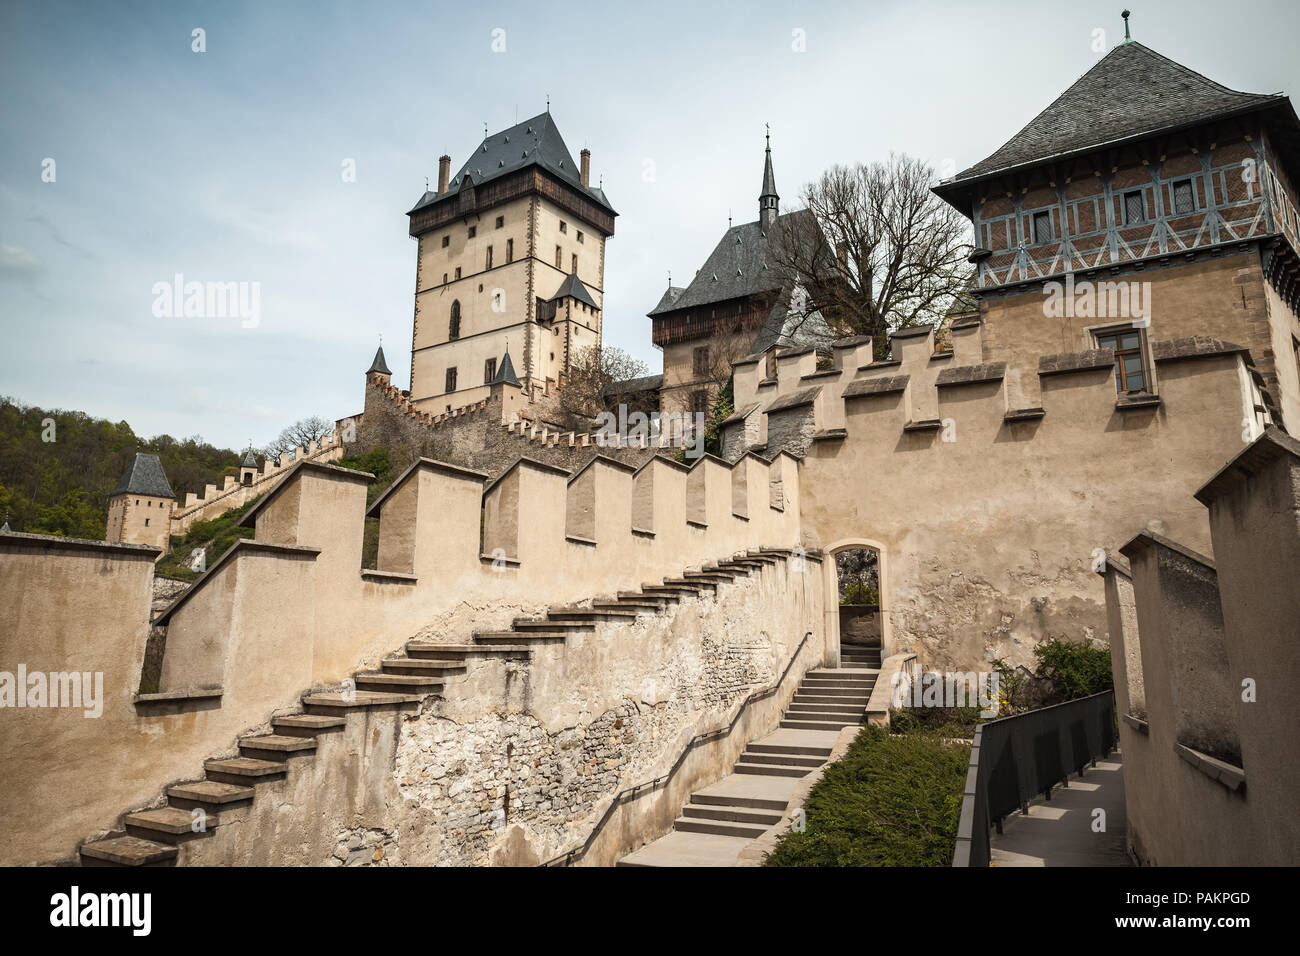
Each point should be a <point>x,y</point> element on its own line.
<point>1075,670</point>
<point>894,800</point>
<point>217,536</point>
<point>856,592</point>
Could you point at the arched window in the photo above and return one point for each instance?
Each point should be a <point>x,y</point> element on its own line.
<point>453,331</point>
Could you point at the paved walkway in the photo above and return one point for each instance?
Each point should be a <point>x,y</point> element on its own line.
<point>1060,832</point>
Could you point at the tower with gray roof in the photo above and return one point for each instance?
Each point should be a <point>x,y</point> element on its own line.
<point>140,505</point>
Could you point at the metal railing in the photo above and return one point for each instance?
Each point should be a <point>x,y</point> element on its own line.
<point>1016,758</point>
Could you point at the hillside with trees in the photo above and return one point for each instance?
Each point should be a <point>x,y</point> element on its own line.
<point>57,467</point>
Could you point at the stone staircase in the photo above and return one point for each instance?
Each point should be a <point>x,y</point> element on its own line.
<point>719,820</point>
<point>194,810</point>
<point>860,656</point>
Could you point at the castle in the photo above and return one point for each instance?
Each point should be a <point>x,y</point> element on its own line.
<point>560,642</point>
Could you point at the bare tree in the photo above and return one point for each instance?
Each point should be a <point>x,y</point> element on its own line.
<point>591,372</point>
<point>879,251</point>
<point>300,434</point>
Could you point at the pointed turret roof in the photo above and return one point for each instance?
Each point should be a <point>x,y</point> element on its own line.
<point>250,460</point>
<point>144,476</point>
<point>1130,93</point>
<point>505,371</point>
<point>379,365</point>
<point>769,177</point>
<point>572,286</point>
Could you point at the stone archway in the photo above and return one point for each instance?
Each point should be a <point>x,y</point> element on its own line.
<point>832,591</point>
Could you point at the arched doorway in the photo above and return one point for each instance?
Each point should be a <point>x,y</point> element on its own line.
<point>857,603</point>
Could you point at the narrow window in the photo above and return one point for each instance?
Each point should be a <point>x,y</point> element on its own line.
<point>700,361</point>
<point>458,272</point>
<point>444,278</point>
<point>501,221</point>
<point>488,260</point>
<point>579,236</point>
<point>489,371</point>
<point>559,258</point>
<point>446,241</point>
<point>574,270</point>
<point>473,231</point>
<point>451,380</point>
<point>564,226</point>
<point>1184,197</point>
<point>510,250</point>
<point>1042,228</point>
<point>146,522</point>
<point>1135,208</point>
<point>453,327</point>
<point>700,400</point>
<point>1130,364</point>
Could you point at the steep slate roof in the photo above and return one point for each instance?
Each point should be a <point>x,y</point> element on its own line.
<point>505,372</point>
<point>144,476</point>
<point>669,300</point>
<point>534,142</point>
<point>379,365</point>
<point>250,460</point>
<point>1132,91</point>
<point>572,286</point>
<point>738,266</point>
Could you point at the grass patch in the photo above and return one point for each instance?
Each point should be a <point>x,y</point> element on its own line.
<point>893,800</point>
<point>216,536</point>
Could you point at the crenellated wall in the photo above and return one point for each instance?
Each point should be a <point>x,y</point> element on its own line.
<point>988,513</point>
<point>292,609</point>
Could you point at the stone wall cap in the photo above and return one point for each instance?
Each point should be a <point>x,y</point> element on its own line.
<point>604,460</point>
<point>750,360</point>
<point>249,518</point>
<point>883,363</point>
<point>239,547</point>
<point>1024,414</point>
<point>431,464</point>
<point>974,322</point>
<point>663,460</point>
<point>851,342</point>
<point>1192,347</point>
<point>823,373</point>
<point>525,461</point>
<point>28,541</point>
<point>795,351</point>
<point>741,415</point>
<point>912,331</point>
<point>884,385</point>
<point>1145,539</point>
<point>1267,448</point>
<point>805,396</point>
<point>972,374</point>
<point>1064,363</point>
<point>707,456</point>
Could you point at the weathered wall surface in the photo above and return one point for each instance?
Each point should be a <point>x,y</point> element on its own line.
<point>1204,661</point>
<point>293,610</point>
<point>989,518</point>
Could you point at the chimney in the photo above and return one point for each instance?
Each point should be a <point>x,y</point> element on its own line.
<point>444,173</point>
<point>585,176</point>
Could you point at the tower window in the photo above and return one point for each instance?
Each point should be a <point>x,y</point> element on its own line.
<point>510,250</point>
<point>473,231</point>
<point>700,361</point>
<point>580,236</point>
<point>453,327</point>
<point>458,272</point>
<point>446,241</point>
<point>444,278</point>
<point>488,260</point>
<point>559,258</point>
<point>146,522</point>
<point>1130,365</point>
<point>451,380</point>
<point>501,221</point>
<point>564,226</point>
<point>1135,207</point>
<point>574,270</point>
<point>1042,228</point>
<point>1184,197</point>
<point>489,370</point>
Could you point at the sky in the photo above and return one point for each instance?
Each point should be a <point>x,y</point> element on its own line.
<point>128,157</point>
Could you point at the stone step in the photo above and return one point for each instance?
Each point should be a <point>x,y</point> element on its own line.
<point>783,760</point>
<point>686,590</point>
<point>833,702</point>
<point>694,825</point>
<point>641,607</point>
<point>127,851</point>
<point>384,682</point>
<point>247,769</point>
<point>331,701</point>
<point>546,624</point>
<point>279,744</point>
<point>169,824</point>
<point>866,682</point>
<point>760,803</point>
<point>591,614</point>
<point>816,724</point>
<point>705,577</point>
<point>703,585</point>
<point>637,596</point>
<point>732,814</point>
<point>827,717</point>
<point>856,677</point>
<point>402,665</point>
<point>209,793</point>
<point>461,651</point>
<point>776,770</point>
<point>861,665</point>
<point>833,693</point>
<point>797,750</point>
<point>510,638</point>
<point>837,708</point>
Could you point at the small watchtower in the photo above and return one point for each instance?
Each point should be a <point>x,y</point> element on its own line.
<point>140,507</point>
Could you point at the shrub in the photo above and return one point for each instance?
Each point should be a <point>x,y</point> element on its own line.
<point>1075,670</point>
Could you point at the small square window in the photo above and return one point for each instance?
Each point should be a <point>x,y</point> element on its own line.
<point>564,226</point>
<point>489,371</point>
<point>579,235</point>
<point>451,380</point>
<point>1042,228</point>
<point>473,231</point>
<point>501,221</point>
<point>1135,207</point>
<point>1130,363</point>
<point>446,241</point>
<point>1184,197</point>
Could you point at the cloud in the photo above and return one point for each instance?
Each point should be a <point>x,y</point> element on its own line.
<point>17,263</point>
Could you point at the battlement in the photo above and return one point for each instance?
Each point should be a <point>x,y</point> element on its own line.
<point>923,393</point>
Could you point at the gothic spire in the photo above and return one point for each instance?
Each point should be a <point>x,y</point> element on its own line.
<point>768,198</point>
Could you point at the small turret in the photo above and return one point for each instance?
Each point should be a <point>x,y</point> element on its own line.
<point>768,198</point>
